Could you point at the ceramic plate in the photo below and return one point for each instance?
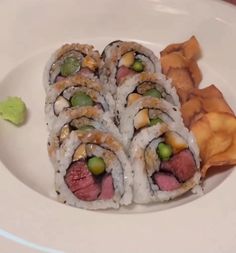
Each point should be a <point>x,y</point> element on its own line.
<point>30,219</point>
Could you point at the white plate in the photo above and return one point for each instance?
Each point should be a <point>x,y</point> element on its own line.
<point>33,222</point>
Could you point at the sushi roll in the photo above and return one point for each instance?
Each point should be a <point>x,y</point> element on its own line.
<point>94,171</point>
<point>72,59</point>
<point>146,112</point>
<point>85,119</point>
<point>166,162</point>
<point>144,84</point>
<point>76,91</point>
<point>124,59</point>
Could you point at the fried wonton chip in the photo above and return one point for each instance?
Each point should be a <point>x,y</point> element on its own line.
<point>215,133</point>
<point>202,101</point>
<point>174,60</point>
<point>190,49</point>
<point>178,62</point>
<point>182,81</point>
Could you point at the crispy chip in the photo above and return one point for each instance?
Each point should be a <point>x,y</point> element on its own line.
<point>178,62</point>
<point>204,111</point>
<point>173,60</point>
<point>210,91</point>
<point>191,111</point>
<point>215,133</point>
<point>190,49</point>
<point>195,72</point>
<point>202,101</point>
<point>182,81</point>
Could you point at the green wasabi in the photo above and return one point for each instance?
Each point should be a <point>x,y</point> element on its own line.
<point>14,110</point>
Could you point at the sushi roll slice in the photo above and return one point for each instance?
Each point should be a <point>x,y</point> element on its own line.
<point>124,59</point>
<point>76,91</point>
<point>85,119</point>
<point>146,112</point>
<point>72,59</point>
<point>166,162</point>
<point>144,84</point>
<point>94,171</point>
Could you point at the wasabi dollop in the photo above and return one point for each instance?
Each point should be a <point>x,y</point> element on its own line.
<point>14,110</point>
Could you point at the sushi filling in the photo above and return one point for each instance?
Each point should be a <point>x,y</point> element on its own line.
<point>73,63</point>
<point>82,124</point>
<point>132,63</point>
<point>148,117</point>
<point>85,186</point>
<point>73,97</point>
<point>145,89</point>
<point>89,177</point>
<point>169,162</point>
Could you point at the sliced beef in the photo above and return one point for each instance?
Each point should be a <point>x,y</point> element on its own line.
<point>107,187</point>
<point>182,165</point>
<point>81,182</point>
<point>59,78</point>
<point>89,193</point>
<point>124,72</point>
<point>86,72</point>
<point>166,182</point>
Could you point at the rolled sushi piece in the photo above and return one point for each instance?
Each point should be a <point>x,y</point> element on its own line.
<point>142,85</point>
<point>85,119</point>
<point>123,59</point>
<point>72,59</point>
<point>94,172</point>
<point>76,91</point>
<point>144,113</point>
<point>166,163</point>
